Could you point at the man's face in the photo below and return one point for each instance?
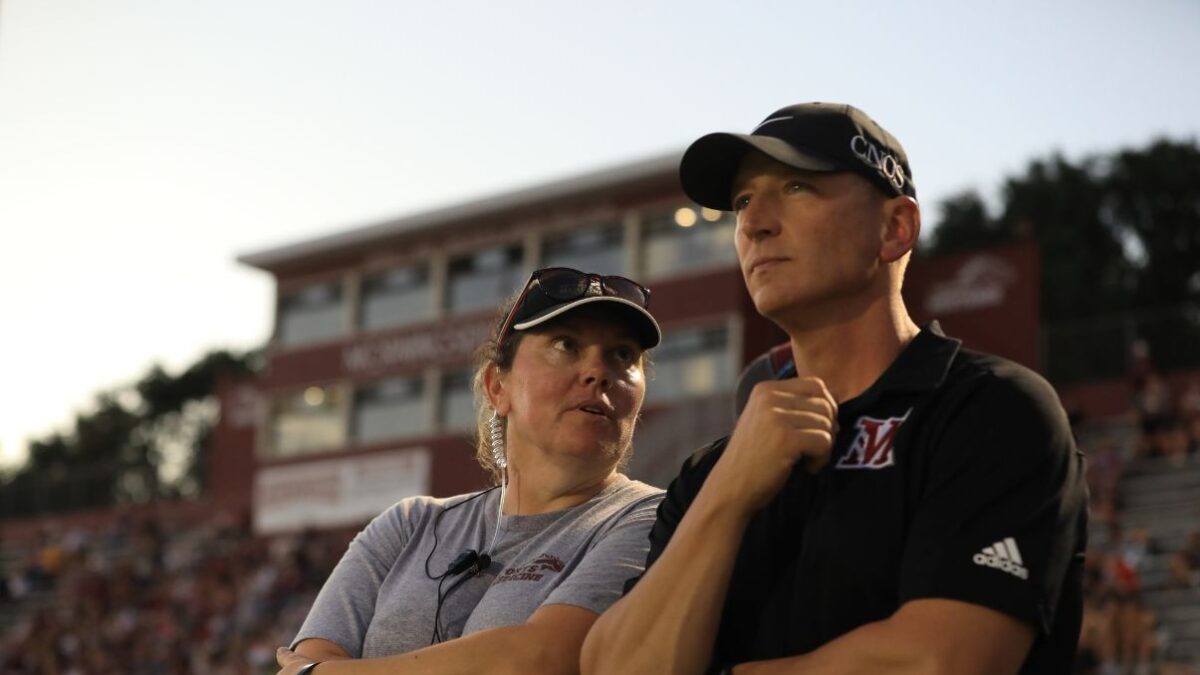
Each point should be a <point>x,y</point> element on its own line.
<point>808,242</point>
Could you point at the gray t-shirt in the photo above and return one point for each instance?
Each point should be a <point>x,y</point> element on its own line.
<point>380,601</point>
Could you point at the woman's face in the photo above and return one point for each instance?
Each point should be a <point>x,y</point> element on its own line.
<point>574,390</point>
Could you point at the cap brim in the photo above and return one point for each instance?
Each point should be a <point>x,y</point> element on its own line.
<point>710,164</point>
<point>645,327</point>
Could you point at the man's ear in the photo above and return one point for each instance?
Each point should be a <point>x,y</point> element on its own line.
<point>493,387</point>
<point>902,227</point>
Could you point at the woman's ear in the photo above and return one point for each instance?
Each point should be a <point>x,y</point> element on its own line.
<point>902,227</point>
<point>496,391</point>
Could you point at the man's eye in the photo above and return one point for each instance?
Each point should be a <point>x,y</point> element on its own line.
<point>797,186</point>
<point>740,202</point>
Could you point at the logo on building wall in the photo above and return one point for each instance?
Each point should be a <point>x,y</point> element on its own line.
<point>982,281</point>
<point>454,343</point>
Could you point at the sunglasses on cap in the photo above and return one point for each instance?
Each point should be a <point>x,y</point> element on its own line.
<point>555,288</point>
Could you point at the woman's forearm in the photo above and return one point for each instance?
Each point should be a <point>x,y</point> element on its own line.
<point>548,643</point>
<point>668,622</point>
<point>319,649</point>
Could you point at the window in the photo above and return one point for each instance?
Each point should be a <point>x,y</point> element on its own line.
<point>687,239</point>
<point>312,314</point>
<point>689,363</point>
<point>596,249</point>
<point>483,279</point>
<point>307,421</point>
<point>391,408</point>
<point>396,297</point>
<point>457,409</point>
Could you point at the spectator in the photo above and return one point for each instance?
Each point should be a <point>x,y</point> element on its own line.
<point>1155,414</point>
<point>1184,568</point>
<point>131,602</point>
<point>1189,412</point>
<point>1104,470</point>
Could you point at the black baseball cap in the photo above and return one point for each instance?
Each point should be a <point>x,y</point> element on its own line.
<point>554,291</point>
<point>811,136</point>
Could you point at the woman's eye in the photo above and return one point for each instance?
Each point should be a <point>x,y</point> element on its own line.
<point>626,355</point>
<point>565,344</point>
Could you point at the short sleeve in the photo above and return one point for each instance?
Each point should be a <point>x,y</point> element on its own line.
<point>997,522</point>
<point>345,605</point>
<point>618,554</point>
<point>680,493</point>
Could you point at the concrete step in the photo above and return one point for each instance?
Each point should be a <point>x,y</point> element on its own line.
<point>1167,527</point>
<point>1158,482</point>
<point>1189,507</point>
<point>1184,651</point>
<point>1181,615</point>
<point>1184,630</point>
<point>1162,598</point>
<point>1156,498</point>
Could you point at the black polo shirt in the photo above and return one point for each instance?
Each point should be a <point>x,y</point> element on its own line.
<point>954,476</point>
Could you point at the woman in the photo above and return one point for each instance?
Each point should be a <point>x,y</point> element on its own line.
<point>461,585</point>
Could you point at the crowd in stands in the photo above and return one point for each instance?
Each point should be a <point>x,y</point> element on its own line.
<point>138,599</point>
<point>1121,635</point>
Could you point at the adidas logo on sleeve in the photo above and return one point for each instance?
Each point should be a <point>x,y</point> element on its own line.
<point>1003,555</point>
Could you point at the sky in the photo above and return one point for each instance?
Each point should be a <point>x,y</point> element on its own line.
<point>145,144</point>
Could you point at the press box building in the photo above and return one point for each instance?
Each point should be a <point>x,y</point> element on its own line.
<point>366,394</point>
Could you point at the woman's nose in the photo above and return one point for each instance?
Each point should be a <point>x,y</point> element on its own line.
<point>595,368</point>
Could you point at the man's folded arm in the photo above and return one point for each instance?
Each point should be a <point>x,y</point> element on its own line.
<point>930,636</point>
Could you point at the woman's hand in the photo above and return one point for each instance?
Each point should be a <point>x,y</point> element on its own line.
<point>290,662</point>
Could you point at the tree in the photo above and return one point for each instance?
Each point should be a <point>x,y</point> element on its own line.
<point>1153,197</point>
<point>140,443</point>
<point>1119,236</point>
<point>1085,269</point>
<point>963,224</point>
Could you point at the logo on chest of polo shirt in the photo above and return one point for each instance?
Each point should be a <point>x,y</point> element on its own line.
<point>874,444</point>
<point>534,571</point>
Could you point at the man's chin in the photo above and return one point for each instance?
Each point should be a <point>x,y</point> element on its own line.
<point>772,304</point>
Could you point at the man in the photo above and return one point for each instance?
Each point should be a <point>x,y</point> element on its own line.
<point>890,502</point>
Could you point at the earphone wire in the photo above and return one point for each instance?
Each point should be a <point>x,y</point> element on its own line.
<point>441,597</point>
<point>496,438</point>
<point>438,519</point>
<point>499,515</point>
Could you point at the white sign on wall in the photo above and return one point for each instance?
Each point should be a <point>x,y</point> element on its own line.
<point>337,492</point>
<point>981,282</point>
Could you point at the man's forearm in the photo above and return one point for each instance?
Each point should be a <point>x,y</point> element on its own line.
<point>924,637</point>
<point>668,623</point>
<point>869,649</point>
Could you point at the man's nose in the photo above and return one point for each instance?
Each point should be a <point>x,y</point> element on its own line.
<point>759,218</point>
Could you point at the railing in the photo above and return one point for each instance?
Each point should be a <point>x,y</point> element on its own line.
<point>88,486</point>
<point>1100,347</point>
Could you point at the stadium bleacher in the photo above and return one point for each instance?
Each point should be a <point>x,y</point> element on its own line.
<point>143,596</point>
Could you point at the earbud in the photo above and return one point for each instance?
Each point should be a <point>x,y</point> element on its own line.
<point>496,437</point>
